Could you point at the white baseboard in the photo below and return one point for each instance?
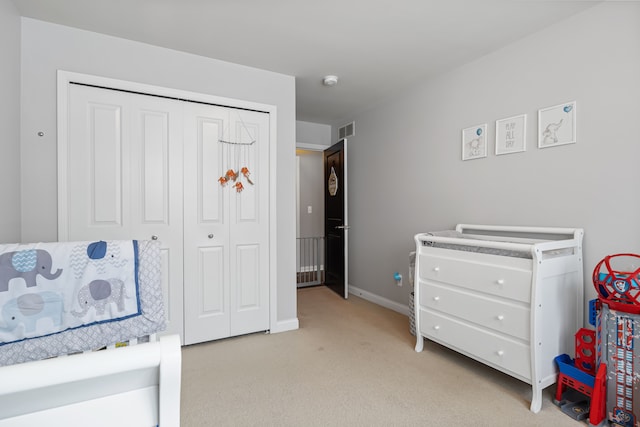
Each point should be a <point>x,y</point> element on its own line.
<point>285,325</point>
<point>376,299</point>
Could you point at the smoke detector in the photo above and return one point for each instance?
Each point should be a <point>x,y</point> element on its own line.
<point>330,80</point>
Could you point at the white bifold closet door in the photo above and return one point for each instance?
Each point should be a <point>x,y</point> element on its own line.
<point>124,178</point>
<point>145,167</point>
<point>226,233</point>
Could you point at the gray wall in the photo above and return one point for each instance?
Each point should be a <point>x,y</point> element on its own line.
<point>311,139</point>
<point>9,122</point>
<point>405,169</point>
<point>47,48</point>
<point>313,134</point>
<point>310,193</point>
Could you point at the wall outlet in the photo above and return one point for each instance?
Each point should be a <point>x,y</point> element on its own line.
<point>309,209</point>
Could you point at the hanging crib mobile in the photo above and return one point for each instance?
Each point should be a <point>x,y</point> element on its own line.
<point>237,154</point>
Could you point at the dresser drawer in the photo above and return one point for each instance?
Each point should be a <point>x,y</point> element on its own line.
<point>505,354</point>
<point>501,280</point>
<point>501,316</point>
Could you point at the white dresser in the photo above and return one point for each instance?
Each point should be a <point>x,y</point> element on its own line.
<point>512,298</point>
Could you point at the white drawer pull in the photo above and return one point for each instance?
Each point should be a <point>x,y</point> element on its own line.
<point>436,269</point>
<point>500,282</point>
<point>436,327</point>
<point>500,353</point>
<point>436,298</point>
<point>500,317</point>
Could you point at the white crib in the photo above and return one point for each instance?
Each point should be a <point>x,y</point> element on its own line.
<point>137,385</point>
<point>109,370</point>
<point>509,297</point>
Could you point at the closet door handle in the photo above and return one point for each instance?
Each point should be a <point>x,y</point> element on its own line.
<point>154,237</point>
<point>210,236</point>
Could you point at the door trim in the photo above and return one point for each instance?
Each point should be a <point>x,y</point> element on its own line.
<point>66,78</point>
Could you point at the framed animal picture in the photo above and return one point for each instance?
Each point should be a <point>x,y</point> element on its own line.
<point>557,125</point>
<point>474,142</point>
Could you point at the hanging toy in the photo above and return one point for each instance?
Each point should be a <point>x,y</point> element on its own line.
<point>236,153</point>
<point>246,173</point>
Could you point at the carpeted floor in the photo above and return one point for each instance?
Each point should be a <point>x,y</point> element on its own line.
<point>351,363</point>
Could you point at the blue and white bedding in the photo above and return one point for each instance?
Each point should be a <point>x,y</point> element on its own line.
<point>65,297</point>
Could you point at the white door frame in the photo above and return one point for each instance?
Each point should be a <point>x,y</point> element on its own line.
<point>66,78</point>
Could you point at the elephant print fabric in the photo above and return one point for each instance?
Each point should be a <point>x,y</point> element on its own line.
<point>46,288</point>
<point>26,264</point>
<point>99,294</point>
<point>99,255</point>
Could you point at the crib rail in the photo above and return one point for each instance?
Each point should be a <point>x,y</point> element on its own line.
<point>140,383</point>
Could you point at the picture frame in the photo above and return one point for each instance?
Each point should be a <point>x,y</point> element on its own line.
<point>557,125</point>
<point>474,142</point>
<point>511,135</point>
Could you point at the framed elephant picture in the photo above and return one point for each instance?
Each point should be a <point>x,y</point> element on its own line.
<point>557,125</point>
<point>474,142</point>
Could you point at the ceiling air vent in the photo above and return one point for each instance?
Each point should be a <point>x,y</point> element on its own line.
<point>347,130</point>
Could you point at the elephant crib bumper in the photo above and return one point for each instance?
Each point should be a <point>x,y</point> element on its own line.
<point>64,297</point>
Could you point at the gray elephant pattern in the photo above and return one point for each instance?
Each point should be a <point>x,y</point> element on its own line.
<point>51,288</point>
<point>98,294</point>
<point>26,264</point>
<point>28,308</point>
<point>108,255</point>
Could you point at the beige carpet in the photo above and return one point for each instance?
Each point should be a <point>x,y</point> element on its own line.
<point>351,363</point>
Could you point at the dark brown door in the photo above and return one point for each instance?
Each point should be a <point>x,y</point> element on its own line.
<point>335,218</point>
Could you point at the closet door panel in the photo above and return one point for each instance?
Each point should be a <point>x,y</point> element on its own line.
<point>211,270</point>
<point>206,232</point>
<point>248,132</point>
<point>248,289</point>
<point>105,161</point>
<point>207,308</point>
<point>124,177</point>
<point>248,292</point>
<point>155,166</point>
<point>156,205</point>
<point>210,165</point>
<point>249,238</point>
<point>98,176</point>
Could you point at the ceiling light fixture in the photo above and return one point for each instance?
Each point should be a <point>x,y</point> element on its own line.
<point>330,80</point>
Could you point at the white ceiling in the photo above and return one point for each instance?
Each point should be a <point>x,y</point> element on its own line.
<point>376,47</point>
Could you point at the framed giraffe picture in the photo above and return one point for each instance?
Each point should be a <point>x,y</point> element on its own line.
<point>557,125</point>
